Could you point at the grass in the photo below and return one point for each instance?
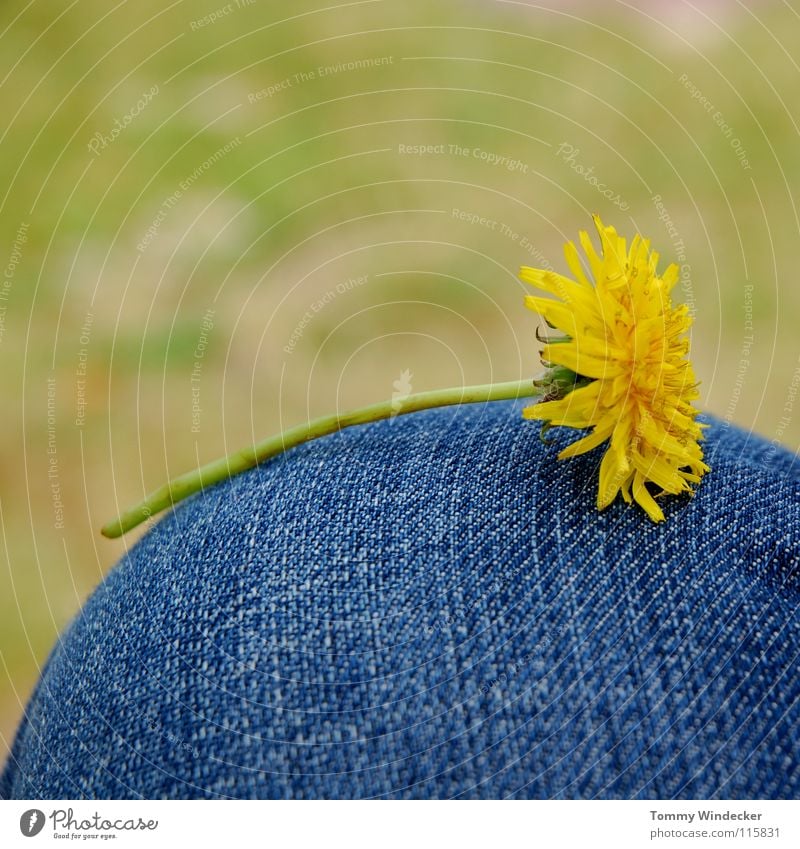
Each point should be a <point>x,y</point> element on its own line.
<point>317,192</point>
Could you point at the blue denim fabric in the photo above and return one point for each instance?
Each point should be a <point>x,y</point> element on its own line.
<point>432,607</point>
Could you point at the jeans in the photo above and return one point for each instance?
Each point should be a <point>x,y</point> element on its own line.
<point>432,607</point>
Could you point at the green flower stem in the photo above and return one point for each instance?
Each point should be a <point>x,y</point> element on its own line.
<point>226,467</point>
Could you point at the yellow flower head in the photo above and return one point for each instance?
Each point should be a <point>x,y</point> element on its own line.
<point>624,345</point>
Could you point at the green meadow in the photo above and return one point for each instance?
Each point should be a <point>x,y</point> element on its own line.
<point>221,220</point>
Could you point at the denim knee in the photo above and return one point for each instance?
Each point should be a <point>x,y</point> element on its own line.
<point>432,607</point>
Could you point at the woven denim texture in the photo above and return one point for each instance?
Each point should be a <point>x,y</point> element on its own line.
<point>432,607</point>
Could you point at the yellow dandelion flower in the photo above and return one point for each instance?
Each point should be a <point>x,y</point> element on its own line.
<point>624,347</point>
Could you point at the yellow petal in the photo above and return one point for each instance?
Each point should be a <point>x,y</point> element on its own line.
<point>597,437</point>
<point>612,476</point>
<point>569,355</point>
<point>656,469</point>
<point>574,263</point>
<point>556,314</point>
<point>595,263</point>
<point>644,499</point>
<point>572,293</point>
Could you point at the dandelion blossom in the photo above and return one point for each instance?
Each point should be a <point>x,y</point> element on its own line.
<point>618,369</point>
<point>633,385</point>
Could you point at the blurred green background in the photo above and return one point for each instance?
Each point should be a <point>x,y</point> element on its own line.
<point>219,220</point>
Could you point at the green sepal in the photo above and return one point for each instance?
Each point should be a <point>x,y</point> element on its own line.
<point>558,381</point>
